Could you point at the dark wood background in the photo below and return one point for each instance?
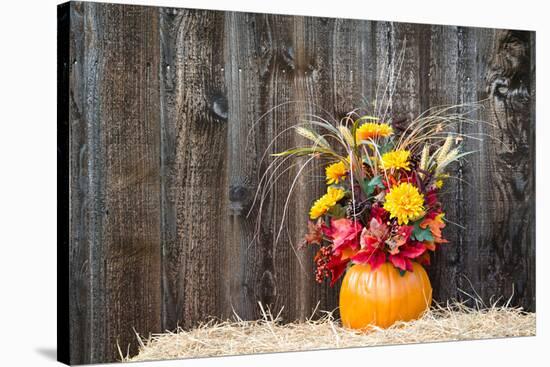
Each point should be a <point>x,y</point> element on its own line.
<point>160,160</point>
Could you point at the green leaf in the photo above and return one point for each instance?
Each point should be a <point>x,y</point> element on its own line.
<point>376,181</point>
<point>402,272</point>
<point>388,147</point>
<point>337,211</point>
<point>421,234</point>
<point>366,189</point>
<point>370,185</point>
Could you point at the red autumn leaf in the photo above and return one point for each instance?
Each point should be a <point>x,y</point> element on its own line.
<point>375,258</point>
<point>372,244</point>
<point>431,199</point>
<point>424,259</point>
<point>412,251</point>
<point>337,267</point>
<point>402,259</point>
<point>401,262</point>
<point>432,214</point>
<point>362,257</point>
<point>343,233</point>
<point>379,213</point>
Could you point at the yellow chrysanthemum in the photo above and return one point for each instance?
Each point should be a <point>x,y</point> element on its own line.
<point>396,159</point>
<point>439,184</point>
<point>326,202</point>
<point>373,130</point>
<point>404,202</point>
<point>336,172</point>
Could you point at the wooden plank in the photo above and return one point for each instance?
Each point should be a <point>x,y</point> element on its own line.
<point>479,263</point>
<point>194,187</point>
<point>471,173</point>
<point>312,90</point>
<point>499,243</point>
<point>270,72</point>
<point>245,66</point>
<point>120,109</point>
<point>443,88</point>
<point>86,313</point>
<point>283,268</point>
<point>260,65</point>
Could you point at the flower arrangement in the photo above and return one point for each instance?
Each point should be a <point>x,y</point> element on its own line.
<point>382,197</point>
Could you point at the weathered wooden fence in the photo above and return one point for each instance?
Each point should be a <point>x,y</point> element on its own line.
<point>160,158</point>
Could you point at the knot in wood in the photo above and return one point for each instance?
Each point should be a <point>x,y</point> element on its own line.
<point>219,106</point>
<point>239,198</point>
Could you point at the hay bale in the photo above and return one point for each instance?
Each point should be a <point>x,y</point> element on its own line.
<point>449,323</point>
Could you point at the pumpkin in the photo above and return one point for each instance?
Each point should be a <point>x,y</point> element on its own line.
<point>383,296</point>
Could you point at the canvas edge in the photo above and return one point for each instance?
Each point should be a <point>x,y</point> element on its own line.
<point>63,54</point>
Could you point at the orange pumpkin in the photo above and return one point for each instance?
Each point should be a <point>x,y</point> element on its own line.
<point>383,296</point>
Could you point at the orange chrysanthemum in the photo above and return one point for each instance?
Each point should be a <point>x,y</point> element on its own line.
<point>371,130</point>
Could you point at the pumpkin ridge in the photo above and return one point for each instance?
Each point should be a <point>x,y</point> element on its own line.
<point>390,293</point>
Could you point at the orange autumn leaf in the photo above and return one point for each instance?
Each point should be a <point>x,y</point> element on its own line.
<point>430,245</point>
<point>435,226</point>
<point>347,253</point>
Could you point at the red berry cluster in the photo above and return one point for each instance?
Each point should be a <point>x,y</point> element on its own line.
<point>321,261</point>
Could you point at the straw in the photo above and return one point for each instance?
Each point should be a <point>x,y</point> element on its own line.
<point>451,322</point>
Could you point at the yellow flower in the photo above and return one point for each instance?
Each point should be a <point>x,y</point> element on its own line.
<point>405,203</point>
<point>326,202</point>
<point>396,159</point>
<point>441,180</point>
<point>373,130</point>
<point>336,172</point>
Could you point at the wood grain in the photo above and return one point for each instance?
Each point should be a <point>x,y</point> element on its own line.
<point>170,115</point>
